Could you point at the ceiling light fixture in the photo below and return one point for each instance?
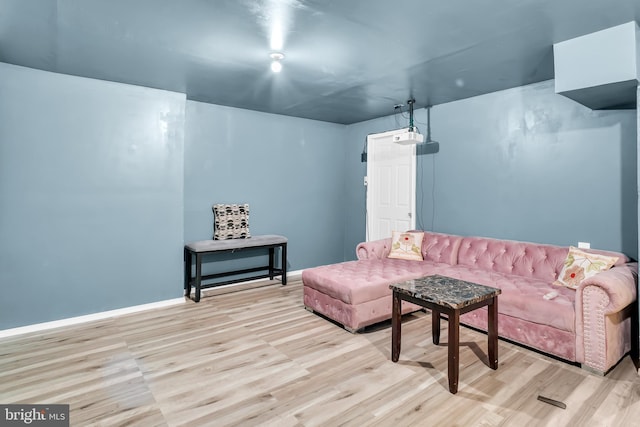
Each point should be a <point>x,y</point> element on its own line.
<point>276,65</point>
<point>277,40</point>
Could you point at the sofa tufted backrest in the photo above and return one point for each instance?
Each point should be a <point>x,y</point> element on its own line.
<point>506,256</point>
<point>438,247</point>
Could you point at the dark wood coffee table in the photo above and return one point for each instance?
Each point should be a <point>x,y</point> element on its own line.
<point>452,297</point>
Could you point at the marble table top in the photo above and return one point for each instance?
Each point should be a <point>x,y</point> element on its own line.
<point>446,291</point>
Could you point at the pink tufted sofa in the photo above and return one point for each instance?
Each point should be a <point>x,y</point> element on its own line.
<point>590,325</point>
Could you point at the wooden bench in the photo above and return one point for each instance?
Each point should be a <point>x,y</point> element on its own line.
<point>207,247</point>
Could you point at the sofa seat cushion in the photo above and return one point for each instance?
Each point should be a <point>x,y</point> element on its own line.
<point>522,297</point>
<point>355,282</point>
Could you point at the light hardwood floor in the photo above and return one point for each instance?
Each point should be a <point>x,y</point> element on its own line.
<point>256,357</point>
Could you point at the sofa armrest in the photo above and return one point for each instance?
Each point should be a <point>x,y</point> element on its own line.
<point>603,316</point>
<point>619,284</point>
<point>376,249</point>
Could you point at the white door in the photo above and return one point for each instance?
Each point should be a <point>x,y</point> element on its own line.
<point>391,194</point>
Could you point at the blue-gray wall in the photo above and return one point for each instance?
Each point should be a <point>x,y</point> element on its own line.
<point>524,164</point>
<point>91,190</point>
<point>102,183</point>
<point>289,170</point>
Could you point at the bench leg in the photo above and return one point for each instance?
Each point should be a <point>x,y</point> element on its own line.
<point>198,280</point>
<point>284,263</point>
<point>271,257</point>
<point>187,272</point>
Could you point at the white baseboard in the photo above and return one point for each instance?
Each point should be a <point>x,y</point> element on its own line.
<point>37,327</point>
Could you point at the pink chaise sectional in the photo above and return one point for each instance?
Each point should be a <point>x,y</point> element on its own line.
<point>591,325</point>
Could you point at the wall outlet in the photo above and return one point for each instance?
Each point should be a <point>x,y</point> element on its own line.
<point>584,245</point>
<point>366,181</point>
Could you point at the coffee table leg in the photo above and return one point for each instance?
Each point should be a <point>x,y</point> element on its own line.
<point>396,320</point>
<point>454,350</point>
<point>493,333</point>
<point>435,326</point>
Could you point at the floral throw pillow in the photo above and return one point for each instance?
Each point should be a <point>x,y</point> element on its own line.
<point>406,245</point>
<point>580,265</point>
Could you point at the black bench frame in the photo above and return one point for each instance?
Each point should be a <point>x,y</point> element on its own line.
<point>197,280</point>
